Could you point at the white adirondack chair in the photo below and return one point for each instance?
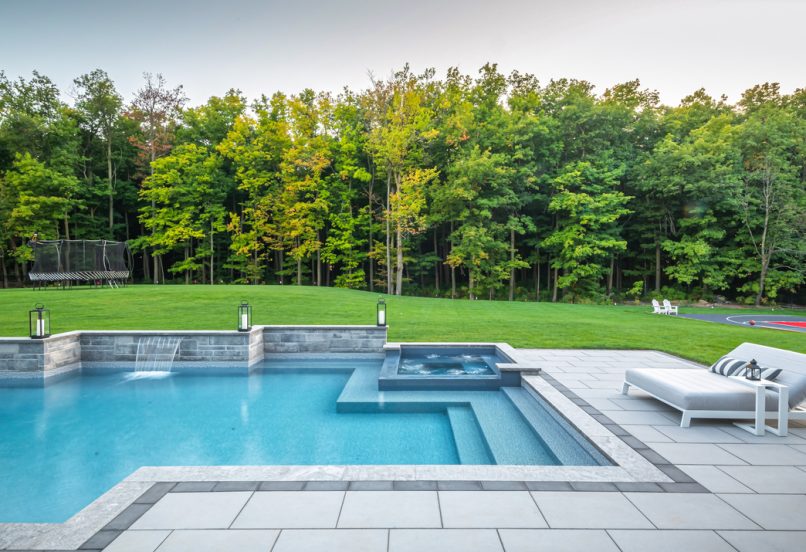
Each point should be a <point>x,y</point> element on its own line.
<point>656,309</point>
<point>668,308</point>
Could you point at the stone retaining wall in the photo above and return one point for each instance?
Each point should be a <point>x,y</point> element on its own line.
<point>323,339</point>
<point>31,359</point>
<point>119,347</point>
<point>37,361</point>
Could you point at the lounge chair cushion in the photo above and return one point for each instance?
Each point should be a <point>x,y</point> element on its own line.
<point>796,383</point>
<point>698,389</point>
<point>728,366</point>
<point>770,374</point>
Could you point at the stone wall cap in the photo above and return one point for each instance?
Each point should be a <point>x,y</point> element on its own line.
<point>255,329</point>
<point>324,327</point>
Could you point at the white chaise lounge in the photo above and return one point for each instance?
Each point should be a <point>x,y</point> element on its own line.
<point>700,393</point>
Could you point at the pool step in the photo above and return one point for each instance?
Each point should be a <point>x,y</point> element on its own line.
<point>514,428</point>
<point>471,445</point>
<point>551,427</point>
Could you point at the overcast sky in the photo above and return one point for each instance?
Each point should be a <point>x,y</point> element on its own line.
<point>260,46</point>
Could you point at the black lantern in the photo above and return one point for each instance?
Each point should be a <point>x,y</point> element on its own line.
<point>244,317</point>
<point>39,322</point>
<point>752,371</point>
<point>381,309</point>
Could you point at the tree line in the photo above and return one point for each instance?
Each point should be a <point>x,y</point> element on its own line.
<point>488,186</point>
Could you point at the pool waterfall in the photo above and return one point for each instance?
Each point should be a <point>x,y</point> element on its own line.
<point>156,354</point>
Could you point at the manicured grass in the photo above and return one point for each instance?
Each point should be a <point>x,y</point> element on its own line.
<point>410,318</point>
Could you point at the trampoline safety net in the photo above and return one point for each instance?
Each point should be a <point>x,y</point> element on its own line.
<point>79,260</point>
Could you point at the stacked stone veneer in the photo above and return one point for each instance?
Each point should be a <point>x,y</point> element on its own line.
<point>37,361</point>
<point>30,359</point>
<point>225,347</point>
<point>279,340</point>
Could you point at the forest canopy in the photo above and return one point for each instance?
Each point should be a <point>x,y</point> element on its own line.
<point>470,186</point>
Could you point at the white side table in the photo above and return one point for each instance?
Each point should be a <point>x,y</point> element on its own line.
<point>760,425</point>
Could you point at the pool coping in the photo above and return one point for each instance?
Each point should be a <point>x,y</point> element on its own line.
<point>104,519</point>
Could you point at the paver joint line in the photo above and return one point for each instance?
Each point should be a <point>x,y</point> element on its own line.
<point>242,509</point>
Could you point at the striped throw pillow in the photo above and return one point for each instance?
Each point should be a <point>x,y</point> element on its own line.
<point>770,374</point>
<point>728,366</point>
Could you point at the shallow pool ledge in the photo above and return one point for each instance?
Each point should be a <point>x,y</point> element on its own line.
<point>36,362</point>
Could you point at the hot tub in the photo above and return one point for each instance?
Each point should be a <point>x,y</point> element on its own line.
<point>434,366</point>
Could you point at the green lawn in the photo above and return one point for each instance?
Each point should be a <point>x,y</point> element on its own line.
<point>410,318</point>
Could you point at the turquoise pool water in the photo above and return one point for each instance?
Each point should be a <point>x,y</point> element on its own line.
<point>63,446</point>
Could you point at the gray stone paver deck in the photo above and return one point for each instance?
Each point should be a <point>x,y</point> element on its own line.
<point>759,486</point>
<point>194,511</point>
<point>444,540</point>
<point>557,540</point>
<point>314,540</point>
<point>757,498</point>
<point>689,511</point>
<point>138,541</point>
<point>390,509</point>
<point>216,540</point>
<point>766,541</point>
<point>291,510</point>
<point>494,509</point>
<point>590,510</point>
<point>670,541</point>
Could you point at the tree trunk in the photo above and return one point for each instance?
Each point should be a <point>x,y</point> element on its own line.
<point>299,266</point>
<point>436,264</point>
<point>111,186</point>
<point>388,235</point>
<point>299,272</point>
<point>453,269</point>
<point>187,256</point>
<point>318,264</point>
<point>5,273</point>
<point>156,268</point>
<point>212,257</point>
<point>399,267</point>
<point>657,265</point>
<point>470,284</point>
<point>537,279</point>
<point>371,245</point>
<point>555,288</point>
<point>765,264</point>
<point>766,252</point>
<point>146,269</point>
<point>512,264</point>
<point>15,263</point>
<point>610,276</point>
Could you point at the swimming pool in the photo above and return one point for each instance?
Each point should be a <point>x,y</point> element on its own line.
<point>64,445</point>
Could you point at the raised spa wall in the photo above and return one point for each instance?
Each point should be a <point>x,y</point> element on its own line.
<point>26,361</point>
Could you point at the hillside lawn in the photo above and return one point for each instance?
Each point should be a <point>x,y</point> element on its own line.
<point>538,325</point>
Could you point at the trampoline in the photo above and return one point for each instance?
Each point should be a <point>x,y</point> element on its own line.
<point>774,321</point>
<point>100,262</point>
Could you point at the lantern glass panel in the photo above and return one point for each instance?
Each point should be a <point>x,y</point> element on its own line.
<point>39,322</point>
<point>753,371</point>
<point>381,310</point>
<point>244,317</point>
